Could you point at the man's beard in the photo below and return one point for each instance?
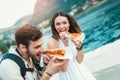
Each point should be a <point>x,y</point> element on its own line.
<point>35,62</point>
<point>32,56</point>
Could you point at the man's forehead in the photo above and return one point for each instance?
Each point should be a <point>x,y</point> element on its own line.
<point>39,41</point>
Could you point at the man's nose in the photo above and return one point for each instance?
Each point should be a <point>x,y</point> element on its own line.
<point>41,49</point>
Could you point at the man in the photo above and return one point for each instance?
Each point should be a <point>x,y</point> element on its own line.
<point>29,43</point>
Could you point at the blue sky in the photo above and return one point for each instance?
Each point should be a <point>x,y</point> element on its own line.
<point>13,10</point>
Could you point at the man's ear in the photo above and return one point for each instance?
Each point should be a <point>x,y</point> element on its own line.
<point>22,48</point>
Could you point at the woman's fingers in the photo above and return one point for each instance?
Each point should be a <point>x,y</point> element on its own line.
<point>64,39</point>
<point>78,43</point>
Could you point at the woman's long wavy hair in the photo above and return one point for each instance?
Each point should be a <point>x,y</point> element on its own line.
<point>74,27</point>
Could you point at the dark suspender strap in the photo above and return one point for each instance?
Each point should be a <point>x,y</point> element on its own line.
<point>36,64</point>
<point>21,63</point>
<point>18,60</point>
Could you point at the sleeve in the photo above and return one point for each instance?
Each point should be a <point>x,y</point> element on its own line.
<point>9,70</point>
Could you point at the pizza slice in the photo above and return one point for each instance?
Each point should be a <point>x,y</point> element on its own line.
<point>75,36</point>
<point>78,36</point>
<point>59,53</point>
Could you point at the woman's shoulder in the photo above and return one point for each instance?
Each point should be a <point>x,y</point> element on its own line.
<point>51,42</point>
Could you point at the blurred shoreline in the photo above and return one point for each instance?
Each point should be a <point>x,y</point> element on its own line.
<point>103,57</point>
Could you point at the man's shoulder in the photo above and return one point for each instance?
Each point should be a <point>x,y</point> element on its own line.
<point>9,60</point>
<point>8,66</point>
<point>8,63</point>
<point>12,63</point>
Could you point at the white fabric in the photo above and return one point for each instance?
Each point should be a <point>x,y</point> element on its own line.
<point>9,70</point>
<point>75,71</point>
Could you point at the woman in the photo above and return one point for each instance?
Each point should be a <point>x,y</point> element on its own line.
<point>63,23</point>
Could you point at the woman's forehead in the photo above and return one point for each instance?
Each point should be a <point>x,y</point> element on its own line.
<point>60,18</point>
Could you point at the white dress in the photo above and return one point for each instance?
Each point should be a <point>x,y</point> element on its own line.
<point>75,71</point>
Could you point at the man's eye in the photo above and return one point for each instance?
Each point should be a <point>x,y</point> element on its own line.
<point>38,46</point>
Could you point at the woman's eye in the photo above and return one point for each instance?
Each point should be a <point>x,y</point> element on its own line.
<point>64,22</point>
<point>57,24</point>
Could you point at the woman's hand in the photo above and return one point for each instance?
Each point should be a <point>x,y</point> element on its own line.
<point>78,43</point>
<point>64,38</point>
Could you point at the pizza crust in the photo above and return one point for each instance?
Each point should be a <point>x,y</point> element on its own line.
<point>59,53</point>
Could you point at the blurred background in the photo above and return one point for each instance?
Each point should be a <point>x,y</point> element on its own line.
<point>98,19</point>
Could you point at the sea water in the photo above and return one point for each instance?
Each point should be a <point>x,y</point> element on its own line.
<point>101,25</point>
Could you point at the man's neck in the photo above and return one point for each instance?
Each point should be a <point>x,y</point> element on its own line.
<point>24,56</point>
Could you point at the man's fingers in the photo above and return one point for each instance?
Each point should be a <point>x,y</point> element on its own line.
<point>52,60</point>
<point>56,62</point>
<point>60,63</point>
<point>47,57</point>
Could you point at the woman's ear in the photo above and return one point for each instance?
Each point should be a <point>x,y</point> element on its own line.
<point>22,48</point>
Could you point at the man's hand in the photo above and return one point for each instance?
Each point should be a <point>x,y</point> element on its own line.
<point>46,59</point>
<point>54,65</point>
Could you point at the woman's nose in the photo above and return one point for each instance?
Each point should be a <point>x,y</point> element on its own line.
<point>62,27</point>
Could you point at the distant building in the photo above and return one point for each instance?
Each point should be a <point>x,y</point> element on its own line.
<point>1,37</point>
